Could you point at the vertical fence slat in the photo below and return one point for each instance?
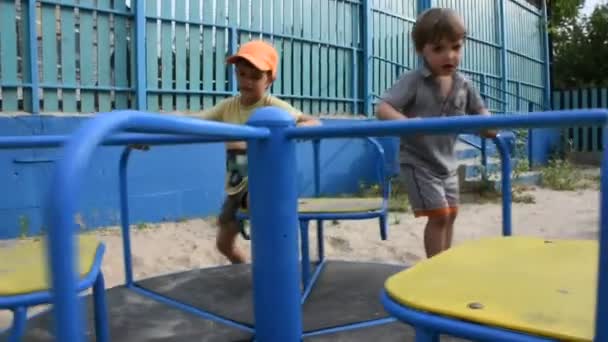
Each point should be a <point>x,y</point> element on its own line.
<point>49,58</point>
<point>120,56</point>
<point>181,99</point>
<point>194,56</point>
<point>298,60</point>
<point>167,53</point>
<point>277,27</point>
<point>220,47</point>
<point>68,58</point>
<point>24,42</point>
<point>309,79</point>
<point>87,65</point>
<point>152,58</point>
<point>104,50</point>
<point>208,47</point>
<point>287,69</point>
<point>8,66</point>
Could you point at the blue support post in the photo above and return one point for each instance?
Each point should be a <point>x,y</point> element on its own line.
<point>124,216</point>
<point>274,233</point>
<point>140,53</point>
<point>601,315</point>
<point>503,52</point>
<point>505,187</point>
<point>547,71</point>
<point>33,57</point>
<point>367,57</point>
<point>232,50</point>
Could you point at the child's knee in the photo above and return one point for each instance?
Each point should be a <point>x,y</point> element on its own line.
<point>441,221</point>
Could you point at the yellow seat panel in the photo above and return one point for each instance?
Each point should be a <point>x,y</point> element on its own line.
<point>337,205</point>
<point>519,283</point>
<point>23,266</point>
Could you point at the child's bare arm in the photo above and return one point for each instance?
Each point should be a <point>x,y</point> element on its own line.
<point>488,133</point>
<point>385,111</point>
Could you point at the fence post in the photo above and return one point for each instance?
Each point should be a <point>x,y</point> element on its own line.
<point>503,52</point>
<point>33,57</point>
<point>355,81</point>
<point>547,73</point>
<point>140,53</point>
<point>422,5</point>
<point>274,233</point>
<point>484,155</point>
<point>232,48</point>
<point>367,56</point>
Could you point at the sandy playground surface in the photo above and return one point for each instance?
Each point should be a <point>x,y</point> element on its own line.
<point>171,247</point>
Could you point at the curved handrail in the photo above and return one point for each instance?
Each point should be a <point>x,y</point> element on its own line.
<point>381,172</point>
<point>69,171</point>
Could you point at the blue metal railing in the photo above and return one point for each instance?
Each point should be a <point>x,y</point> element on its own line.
<point>274,251</point>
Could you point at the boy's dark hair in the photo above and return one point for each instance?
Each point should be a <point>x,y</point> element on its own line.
<point>436,24</point>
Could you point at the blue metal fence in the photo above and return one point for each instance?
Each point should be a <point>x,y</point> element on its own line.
<point>168,55</point>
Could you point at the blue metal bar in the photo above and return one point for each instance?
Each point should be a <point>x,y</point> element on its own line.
<point>382,59</point>
<point>305,246</point>
<point>483,42</point>
<point>188,308</point>
<point>393,15</point>
<point>65,86</point>
<point>33,54</point>
<point>274,237</point>
<point>425,335</point>
<point>522,55</point>
<point>85,7</point>
<point>354,86</point>
<point>367,35</point>
<point>526,6</point>
<point>547,73</point>
<point>503,50</point>
<point>316,154</point>
<point>505,188</point>
<point>452,326</point>
<point>484,155</point>
<point>462,124</point>
<point>140,53</point>
<point>124,215</point>
<point>601,315</point>
<point>18,327</point>
<point>63,198</point>
<point>313,280</point>
<point>46,141</point>
<point>359,325</point>
<point>233,46</point>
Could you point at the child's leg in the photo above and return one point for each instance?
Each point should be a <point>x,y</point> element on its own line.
<point>427,196</point>
<point>229,229</point>
<point>452,195</point>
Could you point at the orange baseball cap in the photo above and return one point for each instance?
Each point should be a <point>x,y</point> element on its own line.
<point>259,53</point>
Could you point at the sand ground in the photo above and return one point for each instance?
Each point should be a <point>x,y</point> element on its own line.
<point>175,246</point>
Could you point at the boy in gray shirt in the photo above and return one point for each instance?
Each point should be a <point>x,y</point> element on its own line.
<point>436,89</point>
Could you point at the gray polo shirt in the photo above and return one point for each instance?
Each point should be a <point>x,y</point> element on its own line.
<point>416,94</point>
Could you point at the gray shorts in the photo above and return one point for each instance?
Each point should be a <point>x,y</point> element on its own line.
<point>431,194</point>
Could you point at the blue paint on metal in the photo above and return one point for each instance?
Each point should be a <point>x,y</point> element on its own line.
<point>305,250</point>
<point>33,55</point>
<point>453,327</point>
<point>505,185</point>
<point>367,33</point>
<point>274,220</point>
<point>140,53</point>
<point>341,328</point>
<point>503,52</point>
<point>601,306</point>
<point>547,67</point>
<point>189,308</point>
<point>124,215</point>
<point>232,49</point>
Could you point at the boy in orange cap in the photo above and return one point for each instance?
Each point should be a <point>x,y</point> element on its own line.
<point>256,68</point>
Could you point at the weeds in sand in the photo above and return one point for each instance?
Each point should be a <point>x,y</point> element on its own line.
<point>398,200</point>
<point>560,175</point>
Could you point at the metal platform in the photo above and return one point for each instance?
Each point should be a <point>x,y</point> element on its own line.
<point>345,295</point>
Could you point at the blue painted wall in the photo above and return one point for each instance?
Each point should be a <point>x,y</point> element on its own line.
<point>166,183</point>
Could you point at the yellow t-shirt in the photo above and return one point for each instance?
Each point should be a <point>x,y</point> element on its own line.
<point>231,110</point>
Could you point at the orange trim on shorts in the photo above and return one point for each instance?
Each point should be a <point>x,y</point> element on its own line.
<point>436,212</point>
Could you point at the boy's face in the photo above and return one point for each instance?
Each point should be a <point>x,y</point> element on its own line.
<point>252,82</point>
<point>443,57</point>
